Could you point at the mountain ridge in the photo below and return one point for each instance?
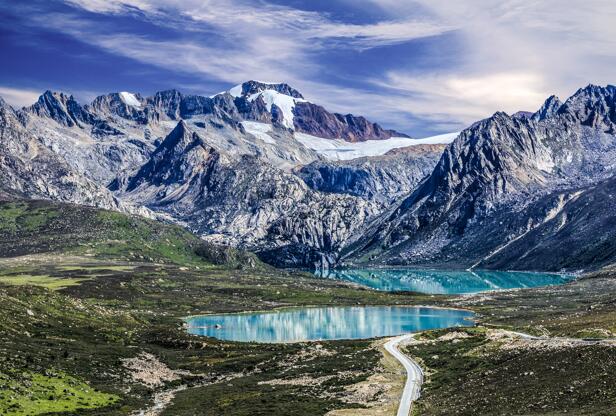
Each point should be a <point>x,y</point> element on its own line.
<point>229,168</point>
<point>495,169</point>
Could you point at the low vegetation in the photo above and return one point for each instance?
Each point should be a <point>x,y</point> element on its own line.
<point>84,292</point>
<point>67,291</point>
<point>488,373</point>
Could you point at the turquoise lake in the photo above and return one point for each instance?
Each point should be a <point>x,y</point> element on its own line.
<point>445,282</point>
<point>325,323</point>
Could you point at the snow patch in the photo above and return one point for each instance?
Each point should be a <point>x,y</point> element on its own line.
<point>339,149</point>
<point>439,139</point>
<point>130,99</point>
<point>236,91</point>
<point>286,103</point>
<point>259,130</point>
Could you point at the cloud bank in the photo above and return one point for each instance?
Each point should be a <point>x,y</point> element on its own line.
<point>421,66</point>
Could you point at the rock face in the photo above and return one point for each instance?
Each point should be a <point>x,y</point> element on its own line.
<point>221,165</point>
<point>30,169</point>
<point>382,178</point>
<point>315,120</point>
<point>497,184</point>
<point>548,109</point>
<point>232,168</point>
<point>245,202</point>
<point>61,108</point>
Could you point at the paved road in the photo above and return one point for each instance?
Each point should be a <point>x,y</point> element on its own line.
<point>413,371</point>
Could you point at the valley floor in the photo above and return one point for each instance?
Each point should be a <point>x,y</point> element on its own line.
<point>80,335</point>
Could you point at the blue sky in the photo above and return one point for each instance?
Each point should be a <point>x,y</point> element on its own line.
<point>422,66</point>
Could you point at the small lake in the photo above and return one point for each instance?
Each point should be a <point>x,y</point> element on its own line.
<point>445,282</point>
<point>325,323</point>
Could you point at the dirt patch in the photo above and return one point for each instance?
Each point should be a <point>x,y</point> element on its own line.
<point>306,355</point>
<point>450,336</point>
<point>149,370</point>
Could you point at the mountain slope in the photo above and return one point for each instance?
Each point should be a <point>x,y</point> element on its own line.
<point>37,227</point>
<point>244,201</point>
<point>28,168</point>
<point>497,170</point>
<point>380,178</point>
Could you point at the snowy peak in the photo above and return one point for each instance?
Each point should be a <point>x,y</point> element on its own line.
<point>278,99</point>
<point>123,104</point>
<point>251,88</point>
<point>130,99</point>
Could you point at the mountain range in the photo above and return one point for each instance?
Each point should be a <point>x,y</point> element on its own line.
<point>260,167</point>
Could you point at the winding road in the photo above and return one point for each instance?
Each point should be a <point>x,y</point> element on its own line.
<point>414,373</point>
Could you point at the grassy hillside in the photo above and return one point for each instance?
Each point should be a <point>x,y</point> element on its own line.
<point>84,292</point>
<point>91,323</point>
<point>34,227</point>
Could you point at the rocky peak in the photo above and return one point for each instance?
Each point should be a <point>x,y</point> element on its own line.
<point>315,120</point>
<point>592,106</point>
<point>522,114</point>
<point>548,109</point>
<point>249,88</point>
<point>182,155</point>
<point>167,103</point>
<point>123,104</point>
<point>62,108</point>
<point>179,139</point>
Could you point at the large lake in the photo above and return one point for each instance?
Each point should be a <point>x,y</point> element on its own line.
<point>326,323</point>
<point>445,282</point>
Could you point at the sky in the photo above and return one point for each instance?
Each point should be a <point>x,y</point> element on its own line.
<point>422,67</point>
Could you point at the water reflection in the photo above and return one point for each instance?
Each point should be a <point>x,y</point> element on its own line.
<point>325,323</point>
<point>445,282</point>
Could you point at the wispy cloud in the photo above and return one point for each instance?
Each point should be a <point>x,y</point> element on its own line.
<point>19,97</point>
<point>511,54</point>
<point>464,99</point>
<point>245,20</point>
<point>516,54</point>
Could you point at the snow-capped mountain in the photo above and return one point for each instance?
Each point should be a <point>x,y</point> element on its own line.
<point>227,166</point>
<point>261,167</point>
<point>287,107</point>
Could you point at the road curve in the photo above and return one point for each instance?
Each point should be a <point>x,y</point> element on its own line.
<point>414,373</point>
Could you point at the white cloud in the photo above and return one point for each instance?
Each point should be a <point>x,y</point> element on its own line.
<point>567,43</point>
<point>465,99</point>
<point>109,6</point>
<point>19,97</point>
<point>513,53</point>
